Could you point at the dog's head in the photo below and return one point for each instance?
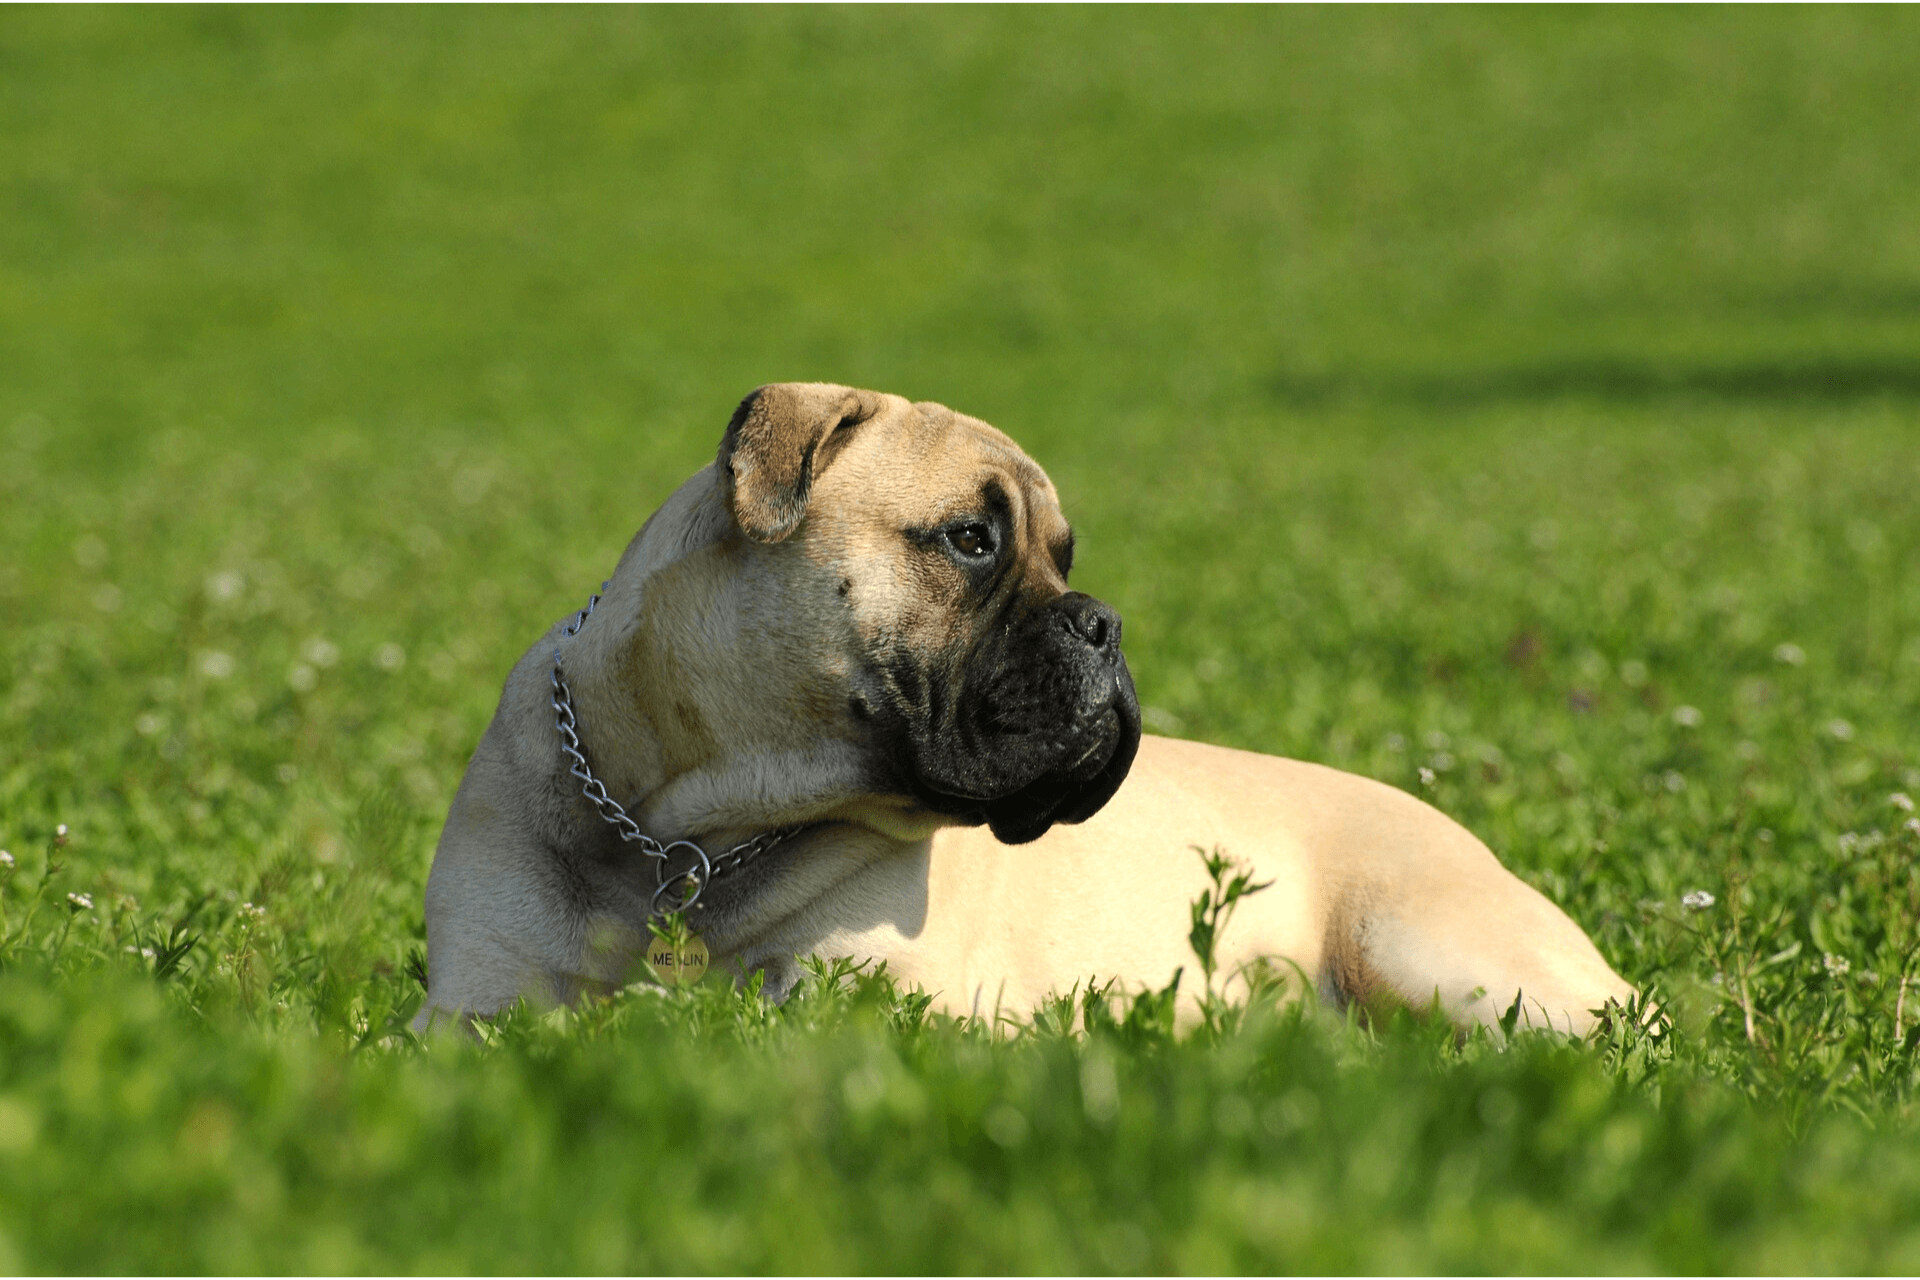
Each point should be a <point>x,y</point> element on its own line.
<point>977,684</point>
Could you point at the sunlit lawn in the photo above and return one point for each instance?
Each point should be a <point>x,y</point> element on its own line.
<point>1520,407</point>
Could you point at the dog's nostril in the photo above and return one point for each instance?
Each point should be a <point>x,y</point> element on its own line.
<point>1094,623</point>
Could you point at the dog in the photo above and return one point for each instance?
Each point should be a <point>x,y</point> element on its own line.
<point>839,700</point>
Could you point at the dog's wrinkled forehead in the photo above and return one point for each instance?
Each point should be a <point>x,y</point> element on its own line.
<point>923,464</point>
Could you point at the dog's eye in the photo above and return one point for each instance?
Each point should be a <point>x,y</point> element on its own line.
<point>974,541</point>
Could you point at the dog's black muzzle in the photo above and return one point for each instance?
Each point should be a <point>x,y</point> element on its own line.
<point>1042,729</point>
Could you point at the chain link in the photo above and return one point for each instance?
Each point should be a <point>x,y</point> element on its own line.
<point>672,892</point>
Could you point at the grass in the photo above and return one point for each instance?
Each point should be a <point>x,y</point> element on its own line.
<point>1519,407</point>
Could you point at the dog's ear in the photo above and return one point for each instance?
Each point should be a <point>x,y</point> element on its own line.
<point>774,445</point>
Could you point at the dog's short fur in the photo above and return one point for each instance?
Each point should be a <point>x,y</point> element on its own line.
<point>858,619</point>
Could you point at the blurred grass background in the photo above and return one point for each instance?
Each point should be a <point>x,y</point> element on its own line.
<point>1529,397</point>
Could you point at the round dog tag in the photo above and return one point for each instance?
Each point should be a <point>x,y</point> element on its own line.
<point>680,966</point>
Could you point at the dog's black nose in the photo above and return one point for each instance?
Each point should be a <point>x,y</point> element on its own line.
<point>1092,620</point>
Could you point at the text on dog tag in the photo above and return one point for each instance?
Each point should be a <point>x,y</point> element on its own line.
<point>680,966</point>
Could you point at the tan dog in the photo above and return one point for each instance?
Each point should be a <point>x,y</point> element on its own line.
<point>857,624</point>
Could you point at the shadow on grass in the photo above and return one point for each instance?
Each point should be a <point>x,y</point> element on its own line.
<point>1615,380</point>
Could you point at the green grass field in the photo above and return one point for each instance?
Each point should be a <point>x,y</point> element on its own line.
<point>1529,398</point>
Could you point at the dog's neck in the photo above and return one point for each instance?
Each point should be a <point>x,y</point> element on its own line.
<point>639,737</point>
<point>645,702</point>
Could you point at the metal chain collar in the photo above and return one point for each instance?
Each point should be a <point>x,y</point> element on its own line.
<point>679,889</point>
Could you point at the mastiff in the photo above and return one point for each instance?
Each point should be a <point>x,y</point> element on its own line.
<point>839,700</point>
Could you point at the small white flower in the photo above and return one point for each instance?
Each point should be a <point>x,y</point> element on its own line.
<point>390,657</point>
<point>81,901</point>
<point>60,830</point>
<point>146,953</point>
<point>1687,717</point>
<point>146,724</point>
<point>1849,842</point>
<point>1901,801</point>
<point>1791,655</point>
<point>1426,776</point>
<point>225,585</point>
<point>216,665</point>
<point>319,652</point>
<point>1841,730</point>
<point>257,913</point>
<point>1912,826</point>
<point>1696,900</point>
<point>302,677</point>
<point>1837,966</point>
<point>6,860</point>
<point>1673,780</point>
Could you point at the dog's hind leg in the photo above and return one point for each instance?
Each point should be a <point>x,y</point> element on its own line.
<point>1478,944</point>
